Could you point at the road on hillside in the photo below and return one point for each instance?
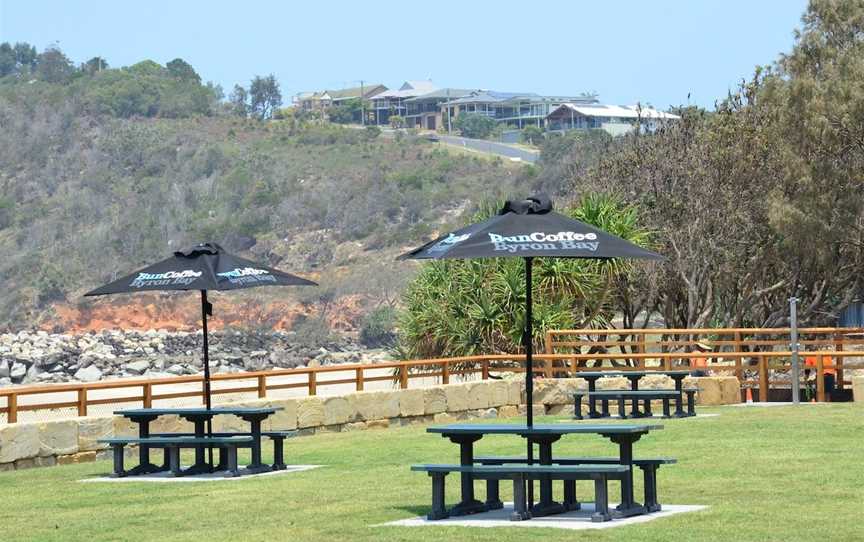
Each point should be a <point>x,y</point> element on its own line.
<point>491,147</point>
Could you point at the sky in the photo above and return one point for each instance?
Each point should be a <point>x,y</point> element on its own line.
<point>654,52</point>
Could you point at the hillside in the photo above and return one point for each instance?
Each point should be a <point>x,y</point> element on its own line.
<point>85,197</point>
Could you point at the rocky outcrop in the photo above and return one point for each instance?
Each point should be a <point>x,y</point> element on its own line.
<point>41,357</point>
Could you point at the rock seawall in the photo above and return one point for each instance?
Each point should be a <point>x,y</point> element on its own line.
<point>40,357</point>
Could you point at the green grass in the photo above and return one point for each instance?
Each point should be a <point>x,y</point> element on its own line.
<point>767,474</point>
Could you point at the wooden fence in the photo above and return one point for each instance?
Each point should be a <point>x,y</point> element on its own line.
<point>735,350</point>
<point>661,349</point>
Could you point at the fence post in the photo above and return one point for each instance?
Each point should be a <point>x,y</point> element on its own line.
<point>359,378</point>
<point>739,372</point>
<point>403,377</point>
<point>445,373</point>
<point>763,379</point>
<point>838,360</point>
<point>262,386</point>
<point>484,369</point>
<point>313,384</point>
<point>547,368</point>
<point>82,401</point>
<point>667,363</point>
<point>12,408</point>
<point>148,395</point>
<point>820,380</point>
<point>549,343</point>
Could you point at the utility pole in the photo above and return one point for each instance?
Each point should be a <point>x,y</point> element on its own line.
<point>447,101</point>
<point>362,108</point>
<point>796,371</point>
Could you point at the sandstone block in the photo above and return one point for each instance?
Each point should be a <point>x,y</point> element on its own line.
<point>508,411</point>
<point>613,383</point>
<point>730,390</point>
<point>221,424</point>
<point>858,389</point>
<point>47,461</point>
<point>28,463</point>
<point>58,438</point>
<point>285,419</point>
<point>176,424</point>
<point>412,402</point>
<point>18,441</point>
<point>709,391</point>
<point>539,410</point>
<point>310,412</point>
<point>561,410</point>
<point>499,393</point>
<point>457,397</point>
<point>656,382</point>
<point>378,424</point>
<point>375,405</point>
<point>337,410</point>
<point>515,391</point>
<point>478,395</point>
<point>434,400</point>
<point>4,467</point>
<point>91,429</point>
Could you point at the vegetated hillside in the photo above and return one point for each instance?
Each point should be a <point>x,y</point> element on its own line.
<point>85,198</point>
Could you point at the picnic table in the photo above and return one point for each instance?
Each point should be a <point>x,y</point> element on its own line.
<point>632,376</point>
<point>199,418</point>
<point>544,435</point>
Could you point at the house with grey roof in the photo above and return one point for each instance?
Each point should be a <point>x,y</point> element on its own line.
<point>514,109</point>
<point>321,101</point>
<point>613,119</point>
<point>392,102</point>
<point>425,112</point>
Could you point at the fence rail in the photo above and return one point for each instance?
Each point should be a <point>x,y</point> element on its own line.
<point>745,357</point>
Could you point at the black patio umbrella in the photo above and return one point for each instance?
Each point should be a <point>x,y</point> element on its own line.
<point>203,267</point>
<point>528,229</point>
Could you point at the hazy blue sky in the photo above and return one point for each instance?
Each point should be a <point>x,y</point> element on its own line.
<point>627,51</point>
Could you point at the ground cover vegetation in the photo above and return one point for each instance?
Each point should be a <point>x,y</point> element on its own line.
<point>92,187</point>
<point>781,473</point>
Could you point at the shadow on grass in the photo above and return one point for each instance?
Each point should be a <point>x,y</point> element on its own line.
<point>414,510</point>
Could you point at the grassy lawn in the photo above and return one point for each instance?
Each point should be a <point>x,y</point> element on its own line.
<point>768,474</point>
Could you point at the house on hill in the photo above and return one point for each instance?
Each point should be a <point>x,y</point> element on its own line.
<point>425,111</point>
<point>614,119</point>
<point>515,109</point>
<point>392,102</point>
<point>321,101</point>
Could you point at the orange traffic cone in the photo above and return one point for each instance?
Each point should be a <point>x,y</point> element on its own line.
<point>749,395</point>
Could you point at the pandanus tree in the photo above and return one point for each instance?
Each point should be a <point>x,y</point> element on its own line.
<point>468,307</point>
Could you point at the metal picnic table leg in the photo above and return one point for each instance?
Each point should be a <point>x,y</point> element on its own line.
<point>144,465</point>
<point>468,504</point>
<point>634,402</point>
<point>628,506</point>
<point>547,505</point>
<point>256,466</point>
<point>592,402</point>
<point>201,465</point>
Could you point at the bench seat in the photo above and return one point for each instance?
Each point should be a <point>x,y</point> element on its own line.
<point>522,473</point>
<point>278,438</point>
<point>635,396</point>
<point>172,446</point>
<point>648,466</point>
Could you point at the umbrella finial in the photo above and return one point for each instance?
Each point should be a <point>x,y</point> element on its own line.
<point>538,204</point>
<point>198,250</point>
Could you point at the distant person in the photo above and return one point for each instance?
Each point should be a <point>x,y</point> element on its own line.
<point>828,370</point>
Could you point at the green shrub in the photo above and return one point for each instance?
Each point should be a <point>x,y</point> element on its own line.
<point>378,327</point>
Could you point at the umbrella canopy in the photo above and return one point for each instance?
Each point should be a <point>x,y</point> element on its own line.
<point>528,229</point>
<point>203,267</point>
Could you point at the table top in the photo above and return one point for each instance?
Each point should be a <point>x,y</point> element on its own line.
<point>541,429</point>
<point>597,374</point>
<point>196,411</point>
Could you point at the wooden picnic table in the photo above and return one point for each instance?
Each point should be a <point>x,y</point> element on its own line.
<point>198,416</point>
<point>544,435</point>
<point>632,376</point>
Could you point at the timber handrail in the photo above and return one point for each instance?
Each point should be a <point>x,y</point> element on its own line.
<point>568,364</point>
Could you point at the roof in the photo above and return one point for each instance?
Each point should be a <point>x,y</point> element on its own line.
<point>445,93</point>
<point>615,111</point>
<point>494,96</point>
<point>409,89</point>
<point>354,92</point>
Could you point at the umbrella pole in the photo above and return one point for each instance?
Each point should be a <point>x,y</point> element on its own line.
<point>207,310</point>
<point>529,368</point>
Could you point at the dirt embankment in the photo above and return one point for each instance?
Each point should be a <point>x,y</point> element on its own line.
<point>183,313</point>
